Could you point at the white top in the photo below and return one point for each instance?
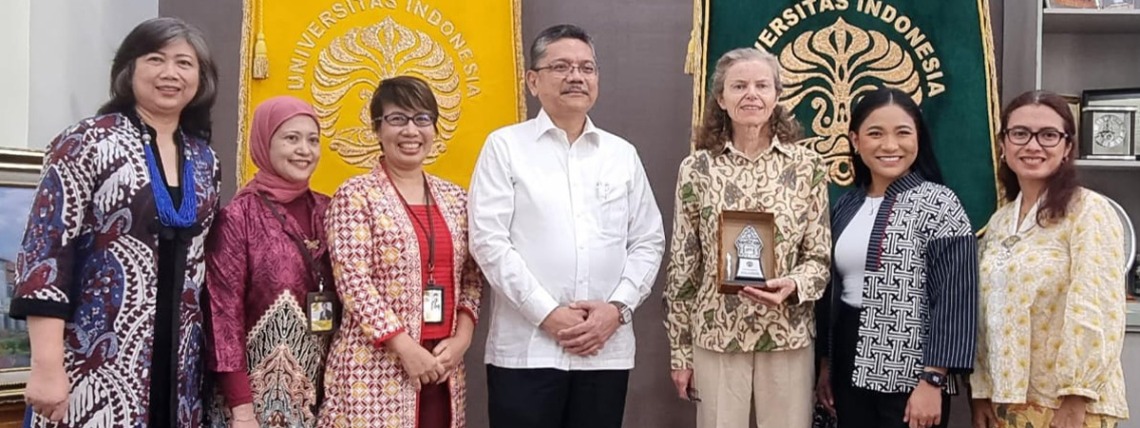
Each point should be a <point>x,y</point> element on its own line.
<point>552,223</point>
<point>851,251</point>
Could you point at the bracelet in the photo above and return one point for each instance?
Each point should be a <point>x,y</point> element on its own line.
<point>251,419</point>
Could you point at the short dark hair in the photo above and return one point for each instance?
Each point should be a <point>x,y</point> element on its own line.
<point>1062,184</point>
<point>925,163</point>
<point>148,37</point>
<point>554,34</point>
<point>408,92</point>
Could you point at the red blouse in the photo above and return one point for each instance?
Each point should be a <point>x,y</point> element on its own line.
<point>443,268</point>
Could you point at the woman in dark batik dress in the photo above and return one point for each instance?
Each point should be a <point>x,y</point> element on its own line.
<point>111,266</point>
<point>266,254</point>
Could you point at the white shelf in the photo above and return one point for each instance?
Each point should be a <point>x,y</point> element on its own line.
<point>1090,21</point>
<point>1107,164</point>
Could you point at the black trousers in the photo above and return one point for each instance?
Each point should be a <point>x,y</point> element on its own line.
<point>551,398</point>
<point>857,407</point>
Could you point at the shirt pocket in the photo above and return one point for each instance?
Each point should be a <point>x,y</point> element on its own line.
<point>613,207</point>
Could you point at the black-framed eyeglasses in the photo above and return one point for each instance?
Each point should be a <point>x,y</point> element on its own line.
<point>565,68</point>
<point>422,120</point>
<point>1047,137</point>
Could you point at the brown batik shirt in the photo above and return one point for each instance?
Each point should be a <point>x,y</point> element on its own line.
<point>786,180</point>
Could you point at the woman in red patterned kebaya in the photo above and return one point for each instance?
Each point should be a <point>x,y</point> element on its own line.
<point>267,267</point>
<point>398,240</point>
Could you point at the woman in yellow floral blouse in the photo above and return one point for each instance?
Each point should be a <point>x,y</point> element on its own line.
<point>728,351</point>
<point>1052,285</point>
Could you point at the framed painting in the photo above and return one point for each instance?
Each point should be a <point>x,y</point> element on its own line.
<point>19,175</point>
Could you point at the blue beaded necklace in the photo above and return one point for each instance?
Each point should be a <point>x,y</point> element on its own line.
<point>187,213</point>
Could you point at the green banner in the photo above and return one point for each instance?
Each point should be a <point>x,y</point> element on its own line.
<point>940,52</point>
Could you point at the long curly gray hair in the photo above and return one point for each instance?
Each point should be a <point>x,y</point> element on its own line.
<point>716,127</point>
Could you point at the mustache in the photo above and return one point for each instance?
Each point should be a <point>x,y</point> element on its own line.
<point>575,88</point>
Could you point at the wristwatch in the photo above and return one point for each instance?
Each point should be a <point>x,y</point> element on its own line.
<point>625,314</point>
<point>934,378</point>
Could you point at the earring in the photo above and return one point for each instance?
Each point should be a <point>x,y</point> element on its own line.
<point>1001,157</point>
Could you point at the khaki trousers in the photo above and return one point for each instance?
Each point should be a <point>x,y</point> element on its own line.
<point>780,384</point>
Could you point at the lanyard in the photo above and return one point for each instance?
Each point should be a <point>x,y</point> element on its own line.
<point>303,247</point>
<point>429,231</point>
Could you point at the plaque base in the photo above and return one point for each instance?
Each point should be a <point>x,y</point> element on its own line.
<point>734,286</point>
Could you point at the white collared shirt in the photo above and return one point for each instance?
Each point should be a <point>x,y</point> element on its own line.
<point>552,223</point>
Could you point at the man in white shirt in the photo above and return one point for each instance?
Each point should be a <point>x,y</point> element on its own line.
<point>565,227</point>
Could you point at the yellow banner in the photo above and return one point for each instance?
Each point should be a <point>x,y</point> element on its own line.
<point>333,53</point>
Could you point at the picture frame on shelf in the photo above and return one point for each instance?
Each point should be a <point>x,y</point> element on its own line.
<point>1074,102</point>
<point>19,176</point>
<point>1118,4</point>
<point>1109,98</point>
<point>1073,4</point>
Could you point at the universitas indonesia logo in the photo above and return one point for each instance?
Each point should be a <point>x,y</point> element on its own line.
<point>826,70</point>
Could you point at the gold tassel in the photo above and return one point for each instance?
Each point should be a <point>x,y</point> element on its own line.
<point>260,50</point>
<point>260,58</point>
<point>693,54</point>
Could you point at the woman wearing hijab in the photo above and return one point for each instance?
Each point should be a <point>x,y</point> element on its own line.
<point>269,278</point>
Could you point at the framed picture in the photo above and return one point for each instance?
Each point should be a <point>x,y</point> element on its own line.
<point>19,175</point>
<point>1073,4</point>
<point>1117,4</point>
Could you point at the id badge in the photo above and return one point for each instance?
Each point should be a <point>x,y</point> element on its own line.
<point>433,304</point>
<point>322,310</point>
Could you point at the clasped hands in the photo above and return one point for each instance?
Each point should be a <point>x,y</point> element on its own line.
<point>426,367</point>
<point>583,327</point>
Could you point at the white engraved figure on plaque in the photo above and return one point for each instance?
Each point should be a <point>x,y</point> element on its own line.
<point>748,250</point>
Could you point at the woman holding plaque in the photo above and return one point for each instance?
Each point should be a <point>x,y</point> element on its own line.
<point>899,316</point>
<point>398,239</point>
<point>267,268</point>
<point>1052,284</point>
<point>111,267</point>
<point>730,351</point>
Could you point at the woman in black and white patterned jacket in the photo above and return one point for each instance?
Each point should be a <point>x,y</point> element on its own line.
<point>900,313</point>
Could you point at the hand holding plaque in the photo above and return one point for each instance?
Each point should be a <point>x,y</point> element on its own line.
<point>745,245</point>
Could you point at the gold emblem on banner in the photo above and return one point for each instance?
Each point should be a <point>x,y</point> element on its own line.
<point>830,68</point>
<point>353,64</point>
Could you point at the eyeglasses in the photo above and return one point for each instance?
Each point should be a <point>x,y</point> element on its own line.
<point>1047,137</point>
<point>422,120</point>
<point>565,68</point>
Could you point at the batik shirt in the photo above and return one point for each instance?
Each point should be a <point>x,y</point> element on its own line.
<point>378,269</point>
<point>1053,308</point>
<point>89,256</point>
<point>786,180</point>
<point>258,282</point>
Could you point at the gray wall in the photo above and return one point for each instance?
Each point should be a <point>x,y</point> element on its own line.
<point>645,98</point>
<point>71,45</point>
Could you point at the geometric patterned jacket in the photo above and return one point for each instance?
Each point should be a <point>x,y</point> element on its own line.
<point>920,287</point>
